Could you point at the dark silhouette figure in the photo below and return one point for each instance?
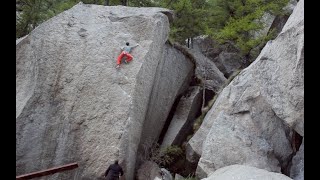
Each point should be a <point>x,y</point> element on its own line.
<point>114,171</point>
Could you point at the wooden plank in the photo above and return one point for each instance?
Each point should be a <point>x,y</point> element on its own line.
<point>48,171</point>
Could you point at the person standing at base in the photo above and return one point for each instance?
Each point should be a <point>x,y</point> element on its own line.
<point>125,53</point>
<point>114,171</point>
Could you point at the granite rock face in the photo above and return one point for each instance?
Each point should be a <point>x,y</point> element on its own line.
<point>149,170</point>
<point>72,105</point>
<point>241,172</point>
<point>252,119</point>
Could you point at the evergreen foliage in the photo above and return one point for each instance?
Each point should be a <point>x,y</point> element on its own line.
<point>31,13</point>
<point>34,12</point>
<point>236,21</point>
<point>233,22</point>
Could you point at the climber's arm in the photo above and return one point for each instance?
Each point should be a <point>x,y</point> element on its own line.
<point>135,46</point>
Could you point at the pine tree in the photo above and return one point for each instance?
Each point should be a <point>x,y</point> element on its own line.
<point>34,12</point>
<point>189,19</point>
<point>235,21</point>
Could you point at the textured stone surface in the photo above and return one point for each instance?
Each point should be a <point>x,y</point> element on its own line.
<point>172,78</point>
<point>20,39</point>
<point>148,170</point>
<point>281,19</point>
<point>229,62</point>
<point>290,6</point>
<point>241,172</point>
<point>297,168</point>
<point>205,70</point>
<point>254,137</point>
<point>266,20</point>
<point>166,175</point>
<point>208,71</point>
<point>184,117</point>
<point>72,105</point>
<point>250,120</point>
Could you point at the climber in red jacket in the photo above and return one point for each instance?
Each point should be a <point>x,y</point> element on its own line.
<point>125,52</point>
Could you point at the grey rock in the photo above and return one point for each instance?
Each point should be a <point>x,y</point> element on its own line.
<point>251,119</point>
<point>166,175</point>
<point>290,6</point>
<point>148,170</point>
<point>253,137</point>
<point>172,78</point>
<point>20,39</point>
<point>297,168</point>
<point>208,72</point>
<point>229,62</point>
<point>296,18</point>
<point>178,177</point>
<point>207,46</point>
<point>191,152</point>
<point>82,32</point>
<point>185,114</point>
<point>225,57</point>
<point>242,172</point>
<point>205,70</point>
<point>266,21</point>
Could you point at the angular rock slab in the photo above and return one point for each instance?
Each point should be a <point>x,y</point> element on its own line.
<point>184,117</point>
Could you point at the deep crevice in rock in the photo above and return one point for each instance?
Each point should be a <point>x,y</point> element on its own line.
<point>195,81</point>
<point>208,97</point>
<point>296,142</point>
<point>180,165</point>
<point>169,118</point>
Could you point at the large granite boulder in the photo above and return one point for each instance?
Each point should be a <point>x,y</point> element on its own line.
<point>241,172</point>
<point>251,120</point>
<point>172,79</point>
<point>72,105</point>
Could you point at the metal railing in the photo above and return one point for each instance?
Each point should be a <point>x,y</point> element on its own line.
<point>47,171</point>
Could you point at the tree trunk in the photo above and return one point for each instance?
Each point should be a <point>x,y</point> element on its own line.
<point>106,2</point>
<point>191,43</point>
<point>203,97</point>
<point>203,69</point>
<point>124,2</point>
